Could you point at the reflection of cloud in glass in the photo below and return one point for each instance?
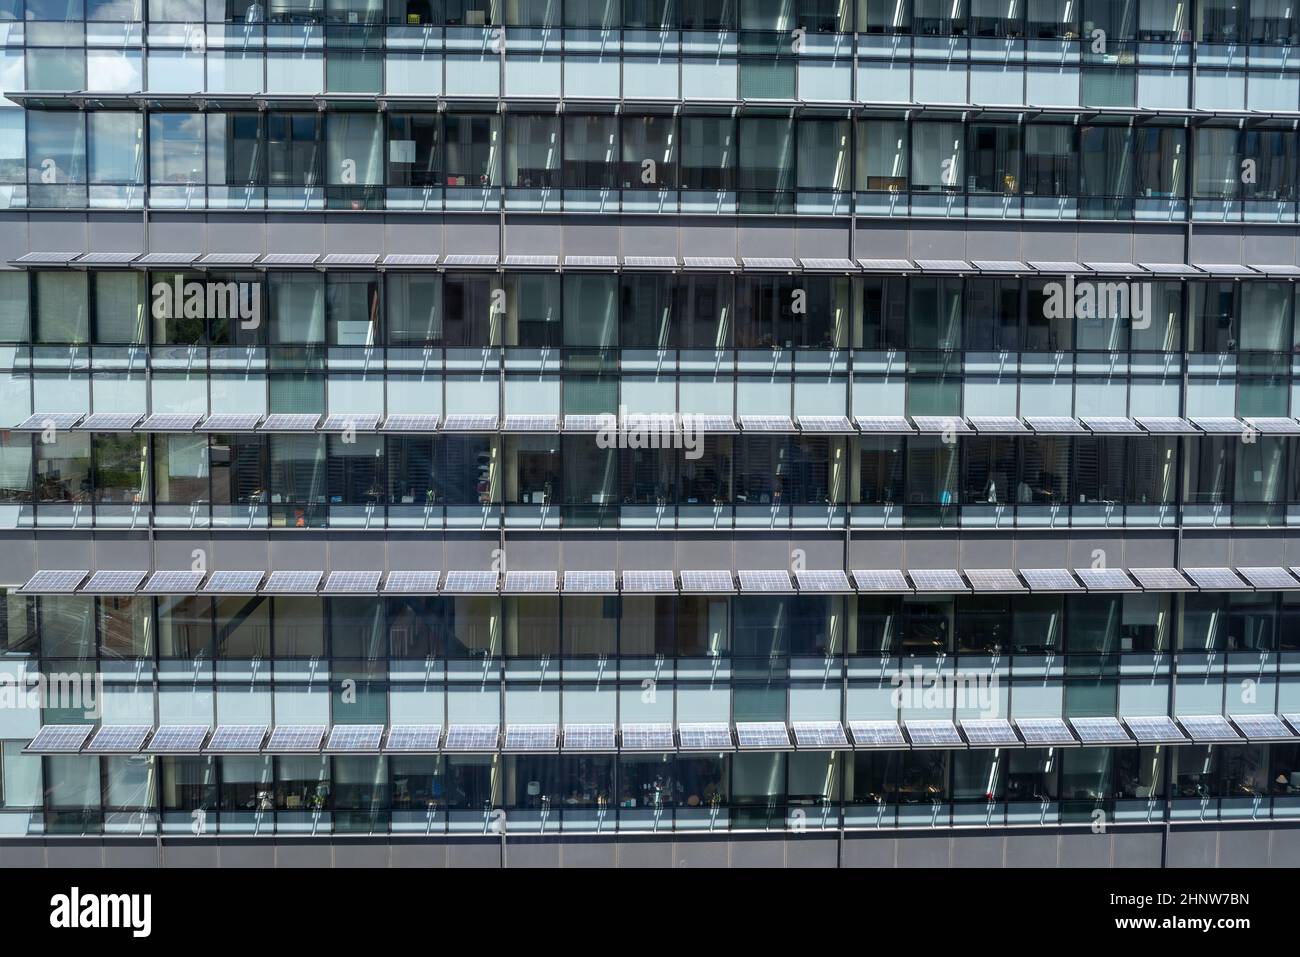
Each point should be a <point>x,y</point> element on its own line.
<point>113,10</point>
<point>11,71</point>
<point>113,72</point>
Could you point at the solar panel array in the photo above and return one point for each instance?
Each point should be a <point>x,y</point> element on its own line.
<point>59,739</point>
<point>171,422</point>
<point>355,737</point>
<point>933,734</point>
<point>531,737</point>
<point>589,737</point>
<point>591,582</point>
<point>530,582</point>
<point>295,738</point>
<point>1165,425</point>
<point>1050,580</point>
<point>825,423</point>
<point>1154,729</point>
<point>109,421</point>
<point>1105,579</point>
<point>591,262</point>
<point>880,580</point>
<point>997,424</point>
<point>877,734</point>
<point>1161,579</point>
<point>236,739</point>
<point>410,259</point>
<point>410,422</point>
<point>292,583</point>
<point>762,734</point>
<point>119,738</point>
<point>51,581</point>
<point>1274,426</point>
<point>1111,425</point>
<point>769,581</point>
<point>1054,424</point>
<point>1273,578</point>
<point>827,580</point>
<point>231,421</point>
<point>767,262</point>
<point>470,582</point>
<point>352,422</point>
<point>1208,728</point>
<point>1262,727</point>
<point>647,737</point>
<point>703,736</point>
<point>234,582</point>
<point>1002,580</point>
<point>174,583</point>
<point>709,262</point>
<point>819,735</point>
<point>413,738</point>
<point>1219,425</point>
<point>290,422</point>
<point>114,582</point>
<point>944,265</point>
<point>648,581</point>
<point>1100,730</point>
<point>935,424</point>
<point>590,423</point>
<point>472,737</point>
<point>705,422</point>
<point>354,582</point>
<point>944,580</point>
<point>886,424</point>
<point>40,421</point>
<point>649,262</point>
<point>1044,732</point>
<point>990,733</point>
<point>766,423</point>
<point>471,422</point>
<point>178,739</point>
<point>715,582</point>
<point>828,265</point>
<point>1216,579</point>
<point>470,259</point>
<point>532,423</point>
<point>518,260</point>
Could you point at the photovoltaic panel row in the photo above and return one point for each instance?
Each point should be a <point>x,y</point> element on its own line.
<point>933,734</point>
<point>532,423</point>
<point>531,737</point>
<point>819,735</point>
<point>990,733</point>
<point>648,737</point>
<point>1154,729</point>
<point>53,581</point>
<point>295,738</point>
<point>231,421</point>
<point>411,422</point>
<point>1208,728</point>
<point>1100,730</point>
<point>471,422</point>
<point>412,582</point>
<point>173,583</point>
<point>530,582</point>
<point>589,737</point>
<point>171,422</point>
<point>1216,579</point>
<point>768,262</point>
<point>292,583</point>
<point>766,423</point>
<point>413,738</point>
<point>998,580</point>
<point>1273,578</point>
<point>119,738</point>
<point>881,580</point>
<point>472,737</point>
<point>1106,579</point>
<point>355,738</point>
<point>352,422</point>
<point>997,425</point>
<point>648,581</point>
<point>877,734</point>
<point>1165,425</point>
<point>828,580</point>
<point>825,423</point>
<point>242,582</point>
<point>752,735</point>
<point>705,422</point>
<point>236,739</point>
<point>885,424</point>
<point>1050,580</point>
<point>470,259</point>
<point>1262,727</point>
<point>591,582</point>
<point>1274,425</point>
<point>290,422</point>
<point>937,580</point>
<point>109,422</point>
<point>1054,424</point>
<point>470,582</point>
<point>590,423</point>
<point>768,581</point>
<point>716,582</point>
<point>114,582</point>
<point>45,421</point>
<point>59,739</point>
<point>1161,579</point>
<point>1045,732</point>
<point>938,424</point>
<point>1219,425</point>
<point>704,736</point>
<point>590,262</point>
<point>178,739</point>
<point>1112,425</point>
<point>352,582</point>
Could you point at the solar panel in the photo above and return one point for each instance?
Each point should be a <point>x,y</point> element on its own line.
<point>997,424</point>
<point>1105,579</point>
<point>117,582</point>
<point>171,422</point>
<point>1171,269</point>
<point>752,735</point>
<point>653,581</point>
<point>231,422</point>
<point>1208,728</point>
<point>828,580</point>
<point>647,737</point>
<point>292,583</point>
<point>828,265</point>
<point>994,580</point>
<point>119,738</point>
<point>589,737</point>
<point>295,738</point>
<point>881,580</point>
<point>410,259</point>
<point>945,580</point>
<point>937,424</point>
<point>234,582</point>
<point>470,583</point>
<point>355,737</point>
<point>717,582</point>
<point>174,583</point>
<point>532,423</point>
<point>1226,269</point>
<point>472,737</point>
<point>41,421</point>
<point>1294,721</point>
<point>54,581</point>
<point>825,423</point>
<point>412,582</point>
<point>229,259</point>
<point>884,424</point>
<point>990,733</point>
<point>1272,425</point>
<point>290,422</point>
<point>1064,268</point>
<point>289,259</point>
<point>1100,730</point>
<point>766,423</point>
<point>109,421</point>
<point>877,734</point>
<point>59,739</point>
<point>887,265</point>
<point>168,259</point>
<point>47,258</point>
<point>1155,729</point>
<point>1262,727</point>
<point>1161,579</point>
<point>1115,269</point>
<point>709,262</point>
<point>236,739</point>
<point>649,262</point>
<point>352,422</point>
<point>1165,425</point>
<point>178,739</point>
<point>356,582</point>
<point>1216,579</point>
<point>933,734</point>
<point>106,259</point>
<point>470,259</point>
<point>819,735</point>
<point>518,260</point>
<point>349,259</point>
<point>944,265</point>
<point>1054,425</point>
<point>1000,266</point>
<point>764,580</point>
<point>767,262</point>
<point>414,738</point>
<point>1111,425</point>
<point>650,421</point>
<point>703,736</point>
<point>1050,580</point>
<point>590,423</point>
<point>405,422</point>
<point>1044,732</point>
<point>591,582</point>
<point>471,422</point>
<point>590,262</point>
<point>709,423</point>
<point>1220,425</point>
<point>1269,579</point>
<point>530,582</point>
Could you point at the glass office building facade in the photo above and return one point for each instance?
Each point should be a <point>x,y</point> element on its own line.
<point>649,431</point>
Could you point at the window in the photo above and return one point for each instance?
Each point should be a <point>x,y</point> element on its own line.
<point>414,149</point>
<point>533,151</point>
<point>61,308</point>
<point>590,152</point>
<point>414,309</point>
<point>708,157</point>
<point>473,150</point>
<point>937,154</point>
<point>649,153</point>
